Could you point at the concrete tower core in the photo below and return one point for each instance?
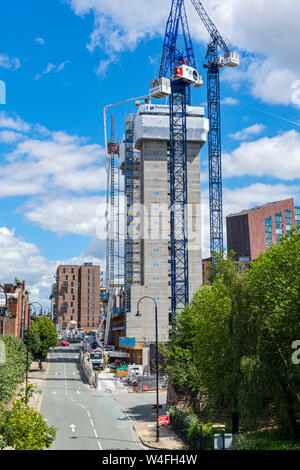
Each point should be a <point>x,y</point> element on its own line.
<point>149,227</point>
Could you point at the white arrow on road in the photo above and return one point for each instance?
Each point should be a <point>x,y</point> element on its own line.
<point>78,392</point>
<point>73,427</point>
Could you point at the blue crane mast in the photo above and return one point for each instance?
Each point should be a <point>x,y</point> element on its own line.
<point>214,63</point>
<point>177,72</point>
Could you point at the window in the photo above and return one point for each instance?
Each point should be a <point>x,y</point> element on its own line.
<point>278,224</point>
<point>288,220</point>
<point>268,231</point>
<point>297,217</point>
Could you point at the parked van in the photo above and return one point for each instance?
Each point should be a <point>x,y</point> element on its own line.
<point>134,371</point>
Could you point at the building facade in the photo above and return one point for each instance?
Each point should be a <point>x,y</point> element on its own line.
<point>17,309</point>
<point>251,232</point>
<point>145,160</point>
<point>77,295</point>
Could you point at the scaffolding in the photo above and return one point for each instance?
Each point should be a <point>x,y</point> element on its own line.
<point>128,246</point>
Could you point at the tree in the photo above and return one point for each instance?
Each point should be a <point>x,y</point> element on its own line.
<point>42,336</point>
<point>23,428</point>
<point>274,280</point>
<point>12,371</point>
<point>211,337</point>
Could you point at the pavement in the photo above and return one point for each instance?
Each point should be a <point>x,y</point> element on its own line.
<point>138,408</point>
<point>109,417</point>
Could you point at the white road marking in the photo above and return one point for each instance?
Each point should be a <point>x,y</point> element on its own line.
<point>73,427</point>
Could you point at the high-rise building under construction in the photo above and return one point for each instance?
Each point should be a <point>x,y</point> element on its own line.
<point>144,158</point>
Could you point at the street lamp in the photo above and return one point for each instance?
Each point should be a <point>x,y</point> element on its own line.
<point>138,314</point>
<point>41,307</point>
<point>49,310</point>
<point>27,350</point>
<point>4,309</point>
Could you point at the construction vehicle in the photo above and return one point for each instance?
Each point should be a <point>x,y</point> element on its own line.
<point>97,360</point>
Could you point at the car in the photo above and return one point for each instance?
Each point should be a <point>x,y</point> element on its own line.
<point>64,343</point>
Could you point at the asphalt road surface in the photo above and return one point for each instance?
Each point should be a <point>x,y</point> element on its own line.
<point>87,419</point>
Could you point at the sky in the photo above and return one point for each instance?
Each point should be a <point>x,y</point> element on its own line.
<point>63,60</point>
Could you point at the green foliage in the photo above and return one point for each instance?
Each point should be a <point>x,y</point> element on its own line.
<point>186,423</point>
<point>12,371</point>
<point>23,428</point>
<point>274,280</point>
<point>235,338</point>
<point>42,336</point>
<point>262,440</point>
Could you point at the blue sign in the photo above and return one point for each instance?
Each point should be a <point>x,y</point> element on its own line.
<point>127,342</point>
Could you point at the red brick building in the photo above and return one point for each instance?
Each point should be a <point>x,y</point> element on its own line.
<point>250,232</point>
<point>242,267</point>
<point>77,295</point>
<point>17,299</point>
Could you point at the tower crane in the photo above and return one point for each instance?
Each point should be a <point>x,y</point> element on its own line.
<point>214,64</point>
<point>177,72</point>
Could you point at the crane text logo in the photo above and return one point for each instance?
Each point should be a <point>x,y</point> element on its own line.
<point>2,92</point>
<point>296,354</point>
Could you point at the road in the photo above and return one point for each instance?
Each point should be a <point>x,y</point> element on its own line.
<point>87,419</point>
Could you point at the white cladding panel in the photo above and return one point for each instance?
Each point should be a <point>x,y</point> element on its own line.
<point>157,127</point>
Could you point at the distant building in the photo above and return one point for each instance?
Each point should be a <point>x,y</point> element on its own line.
<point>250,232</point>
<point>242,267</point>
<point>77,296</point>
<point>17,309</point>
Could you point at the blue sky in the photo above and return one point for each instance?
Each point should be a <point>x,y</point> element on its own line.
<point>62,61</point>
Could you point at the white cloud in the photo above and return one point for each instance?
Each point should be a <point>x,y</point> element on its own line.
<point>230,101</point>
<point>51,161</point>
<point>9,121</point>
<point>240,198</point>
<point>40,41</point>
<point>248,132</point>
<point>268,58</point>
<point>10,137</point>
<point>277,157</point>
<point>58,172</point>
<point>76,215</point>
<point>50,67</point>
<point>23,260</point>
<point>9,63</point>
<point>62,65</point>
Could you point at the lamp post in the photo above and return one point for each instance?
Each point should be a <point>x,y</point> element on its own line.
<point>27,349</point>
<point>41,307</point>
<point>45,312</point>
<point>4,314</point>
<point>156,359</point>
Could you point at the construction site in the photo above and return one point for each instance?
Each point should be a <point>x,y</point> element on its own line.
<point>153,216</point>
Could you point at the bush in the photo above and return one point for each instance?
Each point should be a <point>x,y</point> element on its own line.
<point>262,440</point>
<point>186,424</point>
<point>12,371</point>
<point>23,428</point>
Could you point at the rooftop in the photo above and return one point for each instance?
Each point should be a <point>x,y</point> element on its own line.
<point>269,204</point>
